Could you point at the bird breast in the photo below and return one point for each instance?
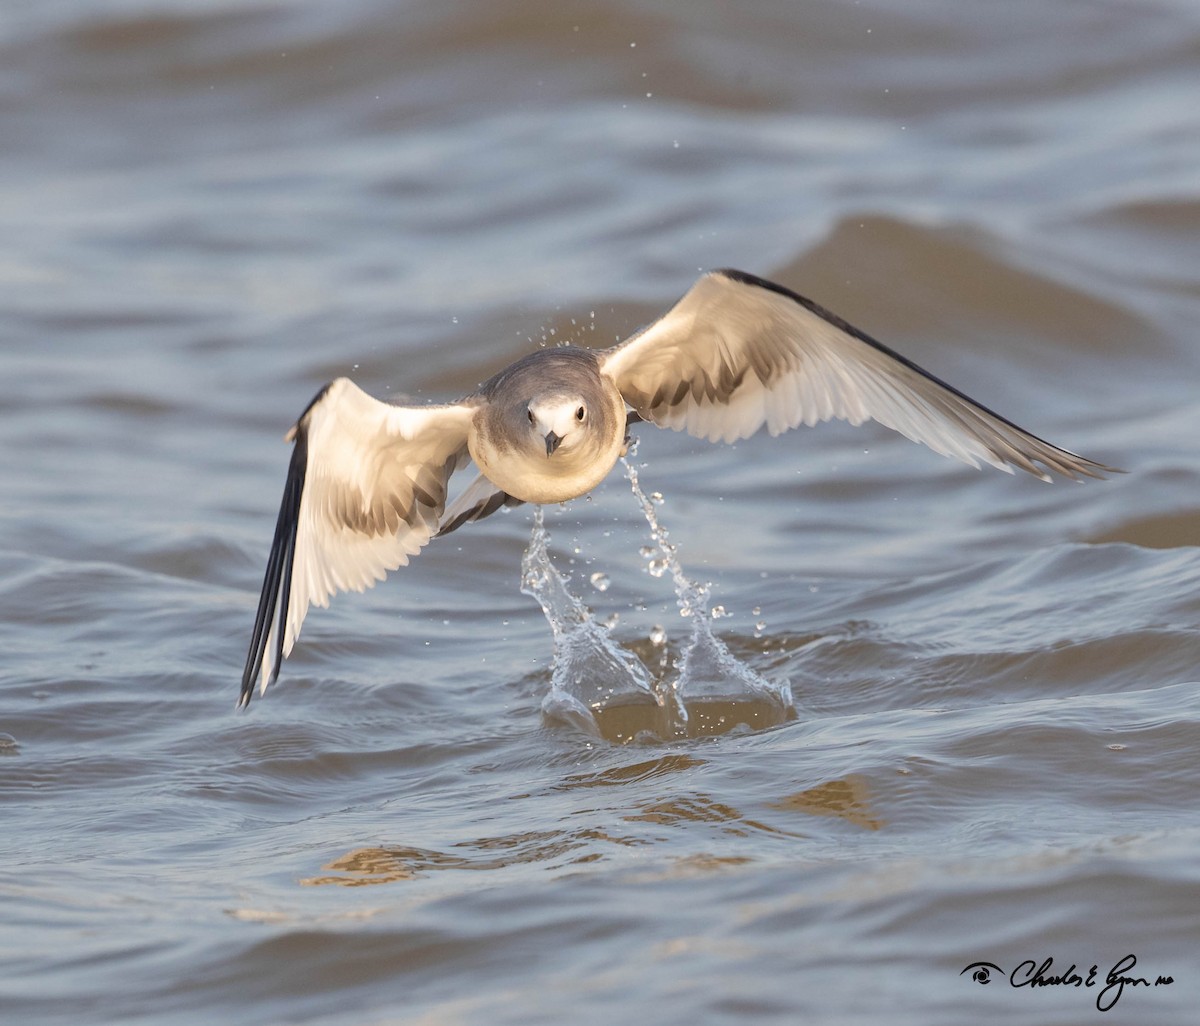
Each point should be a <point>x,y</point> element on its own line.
<point>514,458</point>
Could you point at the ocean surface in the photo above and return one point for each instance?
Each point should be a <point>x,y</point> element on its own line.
<point>209,208</point>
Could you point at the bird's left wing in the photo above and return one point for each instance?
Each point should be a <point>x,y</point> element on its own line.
<point>739,352</point>
<point>365,488</point>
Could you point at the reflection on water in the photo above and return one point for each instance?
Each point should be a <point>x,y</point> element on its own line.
<point>377,865</point>
<point>847,798</point>
<point>625,721</point>
<point>697,808</point>
<point>677,762</point>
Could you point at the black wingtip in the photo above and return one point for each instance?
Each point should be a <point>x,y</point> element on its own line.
<point>277,582</point>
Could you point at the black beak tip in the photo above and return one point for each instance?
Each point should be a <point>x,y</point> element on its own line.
<point>552,441</point>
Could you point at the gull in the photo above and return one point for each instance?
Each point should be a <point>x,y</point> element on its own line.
<point>366,487</point>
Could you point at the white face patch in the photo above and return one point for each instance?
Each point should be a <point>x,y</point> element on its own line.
<point>564,416</point>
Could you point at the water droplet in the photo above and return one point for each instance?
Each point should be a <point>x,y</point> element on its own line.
<point>657,567</point>
<point>759,628</point>
<point>756,611</point>
<point>658,635</point>
<point>611,621</point>
<point>657,498</point>
<point>646,551</point>
<point>717,612</point>
<point>600,581</point>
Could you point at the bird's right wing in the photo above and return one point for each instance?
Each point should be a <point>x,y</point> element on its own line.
<point>365,489</point>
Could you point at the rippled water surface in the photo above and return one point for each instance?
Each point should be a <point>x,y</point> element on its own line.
<point>210,209</point>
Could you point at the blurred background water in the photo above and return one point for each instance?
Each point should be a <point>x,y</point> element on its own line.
<point>211,208</point>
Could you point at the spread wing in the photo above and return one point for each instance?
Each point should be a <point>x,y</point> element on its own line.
<point>739,352</point>
<point>365,489</point>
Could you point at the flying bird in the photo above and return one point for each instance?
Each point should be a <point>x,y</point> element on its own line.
<point>367,484</point>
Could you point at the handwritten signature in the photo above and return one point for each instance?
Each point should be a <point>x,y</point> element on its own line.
<point>1030,974</point>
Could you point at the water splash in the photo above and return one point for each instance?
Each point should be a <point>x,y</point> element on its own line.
<point>601,688</point>
<point>590,672</point>
<point>708,671</point>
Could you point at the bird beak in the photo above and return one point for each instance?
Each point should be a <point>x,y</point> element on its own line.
<point>552,442</point>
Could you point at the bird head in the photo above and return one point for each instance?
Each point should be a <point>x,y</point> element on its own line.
<point>557,421</point>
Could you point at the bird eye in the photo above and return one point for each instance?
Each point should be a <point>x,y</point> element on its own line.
<point>580,413</point>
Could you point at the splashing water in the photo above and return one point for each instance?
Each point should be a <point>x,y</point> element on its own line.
<point>601,688</point>
<point>708,671</point>
<point>590,671</point>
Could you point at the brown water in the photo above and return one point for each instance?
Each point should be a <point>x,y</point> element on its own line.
<point>211,208</point>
